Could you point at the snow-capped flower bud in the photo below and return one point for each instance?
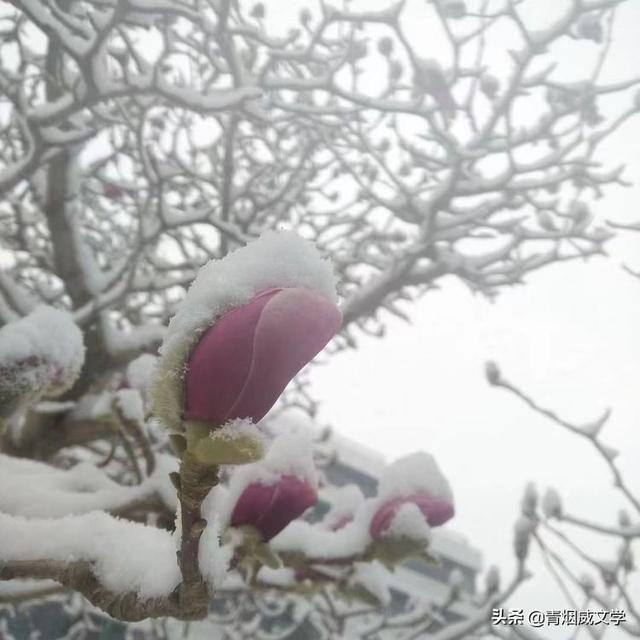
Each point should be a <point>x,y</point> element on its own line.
<point>416,480</point>
<point>395,70</point>
<point>546,221</point>
<point>580,212</point>
<point>435,511</point>
<point>608,572</point>
<point>385,46</point>
<point>489,85</point>
<point>384,145</point>
<point>342,522</point>
<point>403,520</point>
<point>492,580</point>
<point>625,557</point>
<point>430,77</point>
<point>344,502</point>
<point>269,508</point>
<point>40,356</point>
<point>552,504</point>
<point>258,11</point>
<point>242,363</point>
<point>530,500</point>
<point>492,372</point>
<point>112,191</point>
<point>357,50</point>
<point>454,9</point>
<point>589,27</point>
<point>304,16</point>
<point>624,520</point>
<point>587,582</point>
<point>522,535</point>
<point>248,323</point>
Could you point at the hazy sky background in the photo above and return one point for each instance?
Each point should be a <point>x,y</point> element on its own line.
<point>569,337</point>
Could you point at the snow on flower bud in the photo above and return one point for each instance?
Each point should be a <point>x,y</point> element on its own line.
<point>244,361</point>
<point>415,479</point>
<point>269,494</point>
<point>492,373</point>
<point>344,502</point>
<point>624,521</point>
<point>270,508</point>
<point>587,583</point>
<point>456,581</point>
<point>407,522</point>
<point>590,28</point>
<point>625,557</point>
<point>530,500</point>
<point>454,9</point>
<point>247,325</point>
<point>492,580</point>
<point>385,46</point>
<point>522,535</point>
<point>434,512</point>
<point>258,11</point>
<point>430,77</point>
<point>489,85</point>
<point>552,504</point>
<point>40,356</point>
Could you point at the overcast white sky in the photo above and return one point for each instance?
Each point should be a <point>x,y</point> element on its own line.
<point>569,337</point>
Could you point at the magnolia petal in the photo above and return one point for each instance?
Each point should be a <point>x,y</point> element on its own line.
<point>436,512</point>
<point>270,508</point>
<point>243,363</point>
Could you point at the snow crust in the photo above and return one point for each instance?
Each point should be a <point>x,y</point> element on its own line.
<point>276,259</point>
<point>288,454</point>
<point>125,556</point>
<point>411,474</point>
<point>239,428</point>
<point>317,542</point>
<point>344,502</point>
<point>140,371</point>
<point>47,334</point>
<point>374,578</point>
<point>214,557</point>
<point>131,404</point>
<point>409,522</point>
<point>34,489</point>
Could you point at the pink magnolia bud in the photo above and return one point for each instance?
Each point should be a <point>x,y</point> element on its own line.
<point>270,508</point>
<point>341,523</point>
<point>242,363</point>
<point>436,511</point>
<point>112,191</point>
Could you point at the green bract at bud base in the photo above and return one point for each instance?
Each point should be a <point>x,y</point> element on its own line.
<point>254,550</point>
<point>211,445</point>
<point>392,551</point>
